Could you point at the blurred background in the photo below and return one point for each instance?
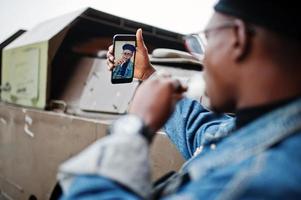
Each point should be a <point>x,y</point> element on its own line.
<point>182,16</point>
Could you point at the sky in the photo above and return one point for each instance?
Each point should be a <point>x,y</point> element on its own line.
<point>182,16</point>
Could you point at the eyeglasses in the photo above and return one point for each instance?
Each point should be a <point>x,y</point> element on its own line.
<point>196,42</point>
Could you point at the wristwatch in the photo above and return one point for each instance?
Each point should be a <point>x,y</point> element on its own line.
<point>130,125</point>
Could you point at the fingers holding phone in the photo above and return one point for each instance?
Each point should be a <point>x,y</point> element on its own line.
<point>143,66</point>
<point>143,69</point>
<point>110,58</point>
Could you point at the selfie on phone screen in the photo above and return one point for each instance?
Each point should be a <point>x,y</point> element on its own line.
<point>124,53</point>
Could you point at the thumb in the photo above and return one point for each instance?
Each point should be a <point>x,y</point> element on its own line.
<point>139,37</point>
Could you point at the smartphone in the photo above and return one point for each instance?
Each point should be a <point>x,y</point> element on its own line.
<point>124,51</point>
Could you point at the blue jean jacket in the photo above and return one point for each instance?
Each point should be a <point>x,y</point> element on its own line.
<point>117,72</point>
<point>259,161</point>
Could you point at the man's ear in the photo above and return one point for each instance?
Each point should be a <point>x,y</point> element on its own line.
<point>242,42</point>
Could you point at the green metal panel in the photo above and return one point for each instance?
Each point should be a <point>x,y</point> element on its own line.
<point>24,73</point>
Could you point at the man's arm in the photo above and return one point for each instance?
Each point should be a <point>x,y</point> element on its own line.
<point>123,156</point>
<point>97,187</point>
<point>192,125</point>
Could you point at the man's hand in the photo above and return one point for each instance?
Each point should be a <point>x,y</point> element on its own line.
<point>119,62</point>
<point>143,68</point>
<point>155,99</point>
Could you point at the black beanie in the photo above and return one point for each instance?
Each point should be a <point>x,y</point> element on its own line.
<point>279,16</point>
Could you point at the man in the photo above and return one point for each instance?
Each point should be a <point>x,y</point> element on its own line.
<point>124,66</point>
<point>252,67</point>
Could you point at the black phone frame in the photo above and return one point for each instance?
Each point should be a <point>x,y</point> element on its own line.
<point>124,37</point>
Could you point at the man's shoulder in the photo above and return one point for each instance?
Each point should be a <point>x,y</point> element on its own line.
<point>277,170</point>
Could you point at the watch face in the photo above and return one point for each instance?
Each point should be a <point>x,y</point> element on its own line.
<point>129,124</point>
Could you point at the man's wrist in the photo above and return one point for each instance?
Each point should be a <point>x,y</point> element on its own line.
<point>151,70</point>
<point>132,124</point>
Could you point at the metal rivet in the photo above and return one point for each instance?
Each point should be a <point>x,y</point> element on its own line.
<point>198,150</point>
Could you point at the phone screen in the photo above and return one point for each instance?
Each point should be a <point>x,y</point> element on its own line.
<point>124,54</point>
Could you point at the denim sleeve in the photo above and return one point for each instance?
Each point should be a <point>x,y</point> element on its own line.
<point>189,123</point>
<point>115,157</point>
<point>97,187</point>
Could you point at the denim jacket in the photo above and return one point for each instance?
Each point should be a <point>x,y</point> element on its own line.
<point>259,161</point>
<point>117,73</point>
